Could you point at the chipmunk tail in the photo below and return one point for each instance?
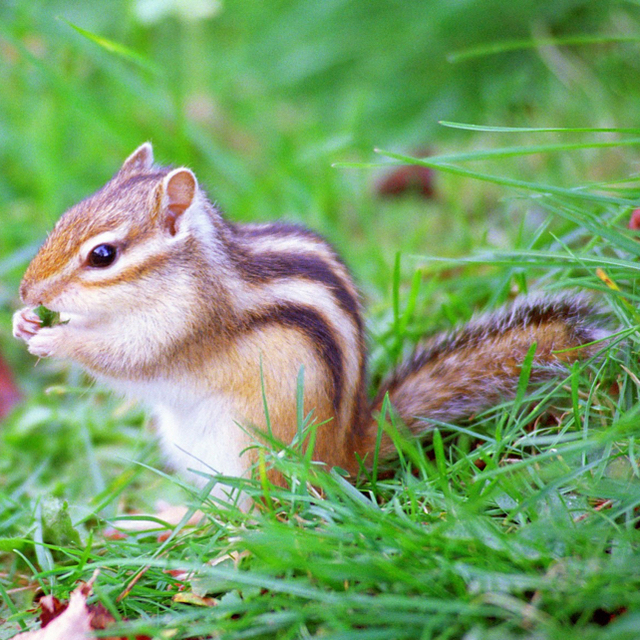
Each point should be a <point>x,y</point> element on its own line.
<point>453,376</point>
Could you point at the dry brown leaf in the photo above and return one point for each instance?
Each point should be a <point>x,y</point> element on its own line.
<point>50,608</point>
<point>74,623</point>
<point>188,597</point>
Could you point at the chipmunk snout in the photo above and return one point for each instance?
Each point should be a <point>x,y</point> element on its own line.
<point>32,294</point>
<point>25,293</point>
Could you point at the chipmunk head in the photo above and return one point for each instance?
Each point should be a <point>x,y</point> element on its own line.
<point>129,230</point>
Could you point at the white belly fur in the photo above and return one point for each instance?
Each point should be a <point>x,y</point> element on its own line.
<point>195,434</point>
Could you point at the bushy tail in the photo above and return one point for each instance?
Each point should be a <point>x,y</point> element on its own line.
<point>452,377</point>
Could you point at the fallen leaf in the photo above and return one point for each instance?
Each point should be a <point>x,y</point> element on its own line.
<point>9,393</point>
<point>74,620</point>
<point>50,608</point>
<point>406,179</point>
<point>188,597</point>
<point>111,533</point>
<point>74,623</point>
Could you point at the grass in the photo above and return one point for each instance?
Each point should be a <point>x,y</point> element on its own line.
<point>522,523</point>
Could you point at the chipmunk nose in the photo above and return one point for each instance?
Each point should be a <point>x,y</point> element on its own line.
<point>30,294</point>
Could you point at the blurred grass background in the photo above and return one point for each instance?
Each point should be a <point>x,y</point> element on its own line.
<point>261,100</point>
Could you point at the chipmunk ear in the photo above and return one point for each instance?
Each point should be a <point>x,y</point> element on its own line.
<point>179,188</point>
<point>140,161</point>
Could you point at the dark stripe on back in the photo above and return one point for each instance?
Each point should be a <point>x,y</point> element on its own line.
<point>316,328</point>
<point>273,266</point>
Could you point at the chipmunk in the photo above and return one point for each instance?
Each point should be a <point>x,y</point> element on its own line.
<point>167,301</point>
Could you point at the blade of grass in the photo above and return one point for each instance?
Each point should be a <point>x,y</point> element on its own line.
<point>525,374</point>
<point>498,129</point>
<point>396,293</point>
<point>507,46</point>
<point>526,150</point>
<point>532,259</point>
<point>11,606</point>
<point>114,47</point>
<point>412,300</point>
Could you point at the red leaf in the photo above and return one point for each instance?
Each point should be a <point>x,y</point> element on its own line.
<point>9,393</point>
<point>50,608</point>
<point>634,221</point>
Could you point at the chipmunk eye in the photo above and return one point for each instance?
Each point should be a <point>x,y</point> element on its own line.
<point>101,256</point>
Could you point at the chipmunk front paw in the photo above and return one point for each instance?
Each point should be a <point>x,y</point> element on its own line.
<point>41,341</point>
<point>26,323</point>
<point>46,342</point>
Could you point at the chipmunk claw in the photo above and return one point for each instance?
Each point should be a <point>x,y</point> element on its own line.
<point>26,323</point>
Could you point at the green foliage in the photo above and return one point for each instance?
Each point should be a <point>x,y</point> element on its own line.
<point>47,317</point>
<point>522,523</point>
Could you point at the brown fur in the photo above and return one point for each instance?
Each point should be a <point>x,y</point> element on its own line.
<point>208,312</point>
<point>454,376</point>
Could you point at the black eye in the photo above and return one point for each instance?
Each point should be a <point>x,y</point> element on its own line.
<point>104,255</point>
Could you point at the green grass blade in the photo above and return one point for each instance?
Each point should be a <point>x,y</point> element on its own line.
<point>115,48</point>
<point>507,46</point>
<point>543,259</point>
<point>498,129</point>
<point>514,152</point>
<point>396,292</point>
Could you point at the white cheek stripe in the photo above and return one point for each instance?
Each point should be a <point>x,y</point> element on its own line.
<point>133,255</point>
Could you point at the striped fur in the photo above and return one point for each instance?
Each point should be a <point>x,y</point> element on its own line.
<point>198,315</point>
<point>453,376</point>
